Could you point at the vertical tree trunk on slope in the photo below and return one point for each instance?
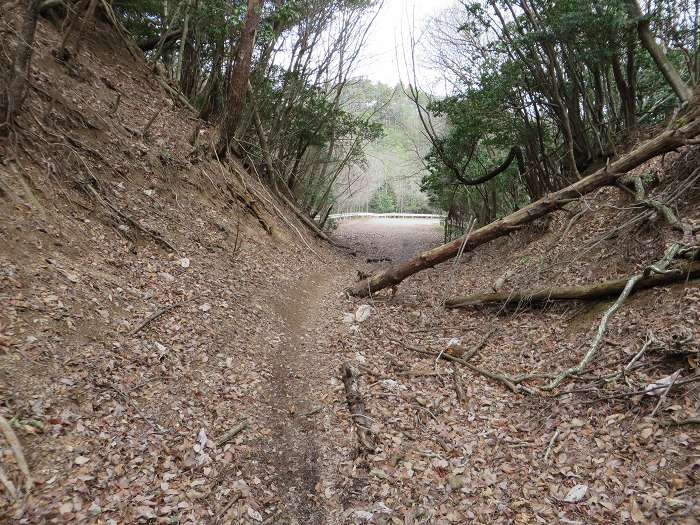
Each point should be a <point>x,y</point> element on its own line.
<point>17,86</point>
<point>667,141</point>
<point>682,91</point>
<point>238,84</point>
<point>212,86</point>
<point>626,88</point>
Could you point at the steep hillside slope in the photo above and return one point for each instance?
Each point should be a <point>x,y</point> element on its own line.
<point>460,447</point>
<point>144,292</point>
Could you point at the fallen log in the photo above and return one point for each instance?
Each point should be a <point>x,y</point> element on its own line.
<point>577,293</point>
<point>669,140</point>
<point>362,422</point>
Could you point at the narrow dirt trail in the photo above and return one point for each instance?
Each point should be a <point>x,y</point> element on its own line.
<point>304,447</point>
<point>293,452</point>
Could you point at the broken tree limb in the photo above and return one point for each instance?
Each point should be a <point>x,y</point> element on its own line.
<point>11,438</point>
<point>230,434</point>
<point>660,268</point>
<point>665,142</point>
<point>351,379</point>
<point>577,293</point>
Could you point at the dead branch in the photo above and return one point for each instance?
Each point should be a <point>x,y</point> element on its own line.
<point>127,399</point>
<point>577,293</point>
<point>457,378</point>
<point>551,444</point>
<point>351,378</point>
<point>663,209</point>
<point>229,435</point>
<point>688,421</point>
<point>11,438</point>
<point>660,268</point>
<point>8,483</point>
<point>495,376</point>
<point>155,316</point>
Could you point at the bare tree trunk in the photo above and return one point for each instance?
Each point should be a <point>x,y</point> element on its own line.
<point>627,93</point>
<point>212,86</point>
<point>682,91</point>
<point>238,85</point>
<point>663,143</point>
<point>183,43</point>
<point>17,86</point>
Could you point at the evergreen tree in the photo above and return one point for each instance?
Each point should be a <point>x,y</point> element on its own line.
<point>383,200</point>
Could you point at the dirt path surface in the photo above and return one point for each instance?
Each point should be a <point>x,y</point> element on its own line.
<point>494,456</point>
<point>396,239</point>
<point>293,401</point>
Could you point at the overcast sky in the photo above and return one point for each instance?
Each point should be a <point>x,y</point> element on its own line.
<point>393,24</point>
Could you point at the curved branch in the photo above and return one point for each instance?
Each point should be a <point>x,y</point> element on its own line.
<point>514,153</point>
<point>169,38</point>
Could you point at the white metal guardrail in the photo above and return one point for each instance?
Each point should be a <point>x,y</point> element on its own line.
<point>362,215</point>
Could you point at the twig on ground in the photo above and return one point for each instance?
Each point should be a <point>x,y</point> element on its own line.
<point>551,444</point>
<point>659,267</point>
<point>227,507</point>
<point>688,421</point>
<point>351,376</point>
<point>125,397</point>
<point>229,435</point>
<point>312,412</point>
<point>155,316</point>
<point>459,391</point>
<point>499,378</point>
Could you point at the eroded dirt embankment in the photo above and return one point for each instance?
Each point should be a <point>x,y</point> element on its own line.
<point>152,301</point>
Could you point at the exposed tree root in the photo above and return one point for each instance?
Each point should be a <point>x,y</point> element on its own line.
<point>157,237</point>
